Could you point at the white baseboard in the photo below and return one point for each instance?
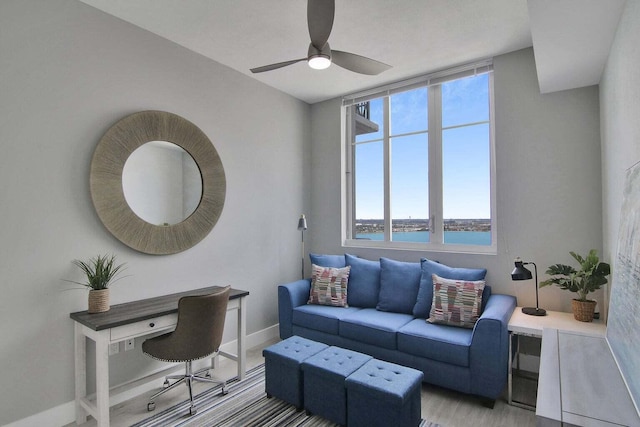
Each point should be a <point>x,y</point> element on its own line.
<point>254,339</point>
<point>64,414</point>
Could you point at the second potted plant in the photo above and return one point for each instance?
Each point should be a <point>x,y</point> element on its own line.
<point>589,278</point>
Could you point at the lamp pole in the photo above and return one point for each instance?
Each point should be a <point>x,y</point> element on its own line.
<point>535,270</point>
<point>302,225</point>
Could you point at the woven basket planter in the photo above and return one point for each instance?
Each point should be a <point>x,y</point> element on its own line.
<point>98,300</point>
<point>583,310</point>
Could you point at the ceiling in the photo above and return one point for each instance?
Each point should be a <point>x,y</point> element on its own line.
<point>414,36</point>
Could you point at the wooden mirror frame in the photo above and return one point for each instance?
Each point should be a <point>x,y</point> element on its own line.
<point>107,193</point>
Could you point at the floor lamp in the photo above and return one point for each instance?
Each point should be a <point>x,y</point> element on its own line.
<point>520,272</point>
<point>302,225</point>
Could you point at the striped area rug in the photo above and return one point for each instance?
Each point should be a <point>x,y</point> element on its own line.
<point>246,404</point>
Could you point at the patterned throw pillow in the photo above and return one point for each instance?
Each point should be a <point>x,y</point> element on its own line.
<point>429,268</point>
<point>329,286</point>
<point>456,302</point>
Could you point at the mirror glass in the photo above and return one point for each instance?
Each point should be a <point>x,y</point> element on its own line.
<point>161,183</point>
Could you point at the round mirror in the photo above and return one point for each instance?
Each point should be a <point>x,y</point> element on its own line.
<point>147,230</point>
<point>161,183</point>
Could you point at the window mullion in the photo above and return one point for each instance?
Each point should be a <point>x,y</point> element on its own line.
<point>492,144</point>
<point>350,200</point>
<point>387,168</point>
<point>435,165</point>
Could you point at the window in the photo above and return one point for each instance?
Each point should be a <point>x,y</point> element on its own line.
<point>419,163</point>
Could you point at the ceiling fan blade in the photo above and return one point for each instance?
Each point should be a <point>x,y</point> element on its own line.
<point>320,15</point>
<point>275,66</point>
<point>357,63</point>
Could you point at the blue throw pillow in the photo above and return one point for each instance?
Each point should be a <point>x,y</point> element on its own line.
<point>399,284</point>
<point>364,282</point>
<point>425,294</point>
<point>333,261</point>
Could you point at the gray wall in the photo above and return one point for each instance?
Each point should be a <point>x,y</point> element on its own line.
<point>548,181</point>
<point>67,73</point>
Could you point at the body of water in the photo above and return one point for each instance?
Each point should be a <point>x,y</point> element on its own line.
<point>455,237</point>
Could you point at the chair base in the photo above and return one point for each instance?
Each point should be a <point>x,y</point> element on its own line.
<point>188,378</point>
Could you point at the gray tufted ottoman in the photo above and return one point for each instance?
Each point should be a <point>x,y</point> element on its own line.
<point>283,377</point>
<point>324,377</point>
<point>383,394</point>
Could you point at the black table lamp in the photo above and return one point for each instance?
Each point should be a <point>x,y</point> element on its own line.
<point>521,273</point>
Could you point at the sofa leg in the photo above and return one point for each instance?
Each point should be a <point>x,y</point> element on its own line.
<point>488,403</point>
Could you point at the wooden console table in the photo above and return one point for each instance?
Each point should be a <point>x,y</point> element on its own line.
<point>131,320</point>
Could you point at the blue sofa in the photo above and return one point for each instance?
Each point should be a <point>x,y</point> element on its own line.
<point>388,302</point>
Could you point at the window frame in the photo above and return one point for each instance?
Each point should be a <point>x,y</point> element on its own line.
<point>435,135</point>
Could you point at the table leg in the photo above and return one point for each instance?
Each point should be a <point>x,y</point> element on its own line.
<point>510,378</point>
<point>242,333</point>
<point>215,361</point>
<point>518,353</point>
<point>102,382</point>
<point>80,371</point>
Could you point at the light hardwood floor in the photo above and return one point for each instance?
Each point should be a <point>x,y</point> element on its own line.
<point>445,407</point>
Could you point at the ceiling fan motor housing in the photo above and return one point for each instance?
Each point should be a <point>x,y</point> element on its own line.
<point>319,59</point>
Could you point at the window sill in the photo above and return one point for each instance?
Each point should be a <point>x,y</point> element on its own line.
<point>421,247</point>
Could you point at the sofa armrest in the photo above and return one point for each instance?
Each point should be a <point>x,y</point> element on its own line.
<point>290,296</point>
<point>489,357</point>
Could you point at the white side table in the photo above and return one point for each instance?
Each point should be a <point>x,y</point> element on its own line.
<point>532,326</point>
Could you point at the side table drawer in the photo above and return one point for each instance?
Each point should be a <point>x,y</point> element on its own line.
<point>144,327</point>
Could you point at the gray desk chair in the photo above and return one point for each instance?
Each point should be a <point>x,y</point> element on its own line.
<point>198,334</point>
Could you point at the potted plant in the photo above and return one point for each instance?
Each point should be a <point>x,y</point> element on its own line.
<point>101,271</point>
<point>591,275</point>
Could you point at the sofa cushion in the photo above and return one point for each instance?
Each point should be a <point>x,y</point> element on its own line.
<point>336,261</point>
<point>422,306</point>
<point>321,317</point>
<point>456,302</point>
<point>443,343</point>
<point>364,282</point>
<point>399,284</point>
<point>329,285</point>
<point>373,327</point>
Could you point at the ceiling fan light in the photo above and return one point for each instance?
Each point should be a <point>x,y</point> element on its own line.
<point>319,62</point>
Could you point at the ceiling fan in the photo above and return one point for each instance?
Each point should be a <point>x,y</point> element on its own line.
<point>320,15</point>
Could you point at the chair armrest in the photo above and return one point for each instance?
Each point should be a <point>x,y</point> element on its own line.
<point>290,296</point>
<point>488,357</point>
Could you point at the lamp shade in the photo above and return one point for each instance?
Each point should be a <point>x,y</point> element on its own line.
<point>520,272</point>
<point>302,223</point>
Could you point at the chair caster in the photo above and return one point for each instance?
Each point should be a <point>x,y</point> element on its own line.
<point>225,391</point>
<point>151,406</point>
<point>193,410</point>
<point>207,375</point>
<point>165,384</point>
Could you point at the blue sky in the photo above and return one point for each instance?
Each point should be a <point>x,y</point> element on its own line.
<point>465,154</point>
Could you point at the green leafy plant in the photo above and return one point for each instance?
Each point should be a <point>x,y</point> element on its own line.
<point>101,271</point>
<point>591,275</point>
